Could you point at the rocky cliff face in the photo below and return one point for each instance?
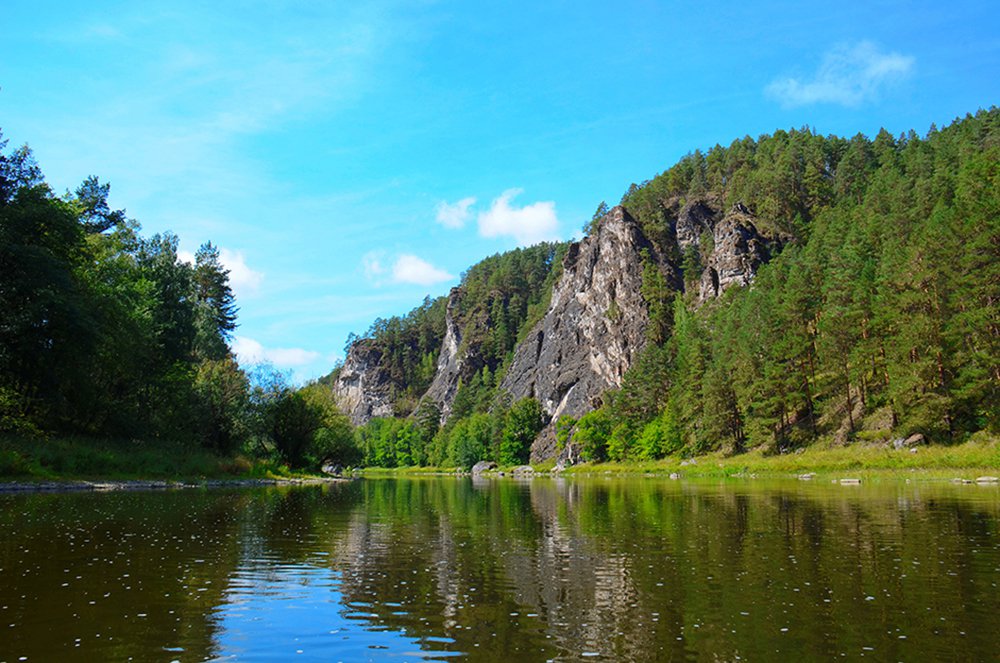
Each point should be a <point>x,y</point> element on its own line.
<point>594,328</point>
<point>738,252</point>
<point>596,322</point>
<point>363,389</point>
<point>451,366</point>
<point>735,248</point>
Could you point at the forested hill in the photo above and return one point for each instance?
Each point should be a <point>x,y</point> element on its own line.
<point>796,289</point>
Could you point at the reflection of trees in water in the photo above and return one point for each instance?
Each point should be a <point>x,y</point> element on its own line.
<point>125,573</point>
<point>633,569</point>
<point>654,569</point>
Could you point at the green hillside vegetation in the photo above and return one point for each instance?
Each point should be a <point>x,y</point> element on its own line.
<point>878,318</point>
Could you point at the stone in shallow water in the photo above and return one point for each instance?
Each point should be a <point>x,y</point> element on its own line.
<point>483,466</point>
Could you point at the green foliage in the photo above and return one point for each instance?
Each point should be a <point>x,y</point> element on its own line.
<point>660,437</point>
<point>592,433</point>
<point>523,422</point>
<point>885,296</point>
<point>564,429</point>
<point>591,226</point>
<point>106,332</point>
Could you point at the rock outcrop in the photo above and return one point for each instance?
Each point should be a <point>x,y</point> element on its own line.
<point>694,220</point>
<point>737,248</point>
<point>595,325</point>
<point>594,328</point>
<point>363,389</point>
<point>452,366</point>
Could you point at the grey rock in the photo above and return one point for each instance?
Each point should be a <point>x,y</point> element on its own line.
<point>363,388</point>
<point>738,252</point>
<point>914,440</point>
<point>695,219</point>
<point>452,366</point>
<point>523,471</point>
<point>483,466</point>
<point>594,328</point>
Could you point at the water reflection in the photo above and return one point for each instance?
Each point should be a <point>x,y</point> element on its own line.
<point>637,569</point>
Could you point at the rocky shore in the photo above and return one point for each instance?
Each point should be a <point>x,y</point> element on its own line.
<point>139,484</point>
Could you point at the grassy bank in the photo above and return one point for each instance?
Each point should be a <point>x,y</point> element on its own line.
<point>968,460</point>
<point>975,458</point>
<point>74,458</point>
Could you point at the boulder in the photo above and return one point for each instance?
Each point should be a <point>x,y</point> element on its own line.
<point>483,466</point>
<point>332,469</point>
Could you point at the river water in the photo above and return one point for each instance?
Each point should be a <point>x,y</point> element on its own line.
<point>544,569</point>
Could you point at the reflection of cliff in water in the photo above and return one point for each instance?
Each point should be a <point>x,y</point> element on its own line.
<point>653,569</point>
<point>631,569</point>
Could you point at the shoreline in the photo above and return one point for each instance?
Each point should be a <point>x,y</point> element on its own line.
<point>130,485</point>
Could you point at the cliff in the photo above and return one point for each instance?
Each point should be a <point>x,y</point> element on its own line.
<point>733,247</point>
<point>594,327</point>
<point>453,362</point>
<point>363,388</point>
<point>790,359</point>
<point>590,334</point>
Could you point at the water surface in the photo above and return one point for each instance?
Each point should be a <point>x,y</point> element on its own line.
<point>446,568</point>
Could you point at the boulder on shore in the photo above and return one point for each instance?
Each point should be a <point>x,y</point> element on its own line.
<point>483,466</point>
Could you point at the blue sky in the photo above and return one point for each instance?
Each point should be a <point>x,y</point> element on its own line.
<point>352,157</point>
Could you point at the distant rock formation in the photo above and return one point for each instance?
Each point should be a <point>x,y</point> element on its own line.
<point>594,328</point>
<point>595,325</point>
<point>452,367</point>
<point>363,389</point>
<point>738,251</point>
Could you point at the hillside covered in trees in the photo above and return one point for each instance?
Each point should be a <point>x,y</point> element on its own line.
<point>859,301</point>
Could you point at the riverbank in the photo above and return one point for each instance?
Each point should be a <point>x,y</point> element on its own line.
<point>965,461</point>
<point>139,484</point>
<point>969,461</point>
<point>86,461</point>
<point>87,464</point>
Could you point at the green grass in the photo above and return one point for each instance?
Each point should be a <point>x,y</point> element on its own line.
<point>69,458</point>
<point>977,457</point>
<point>974,458</point>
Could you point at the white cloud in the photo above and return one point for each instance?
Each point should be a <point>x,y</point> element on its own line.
<point>411,269</point>
<point>454,215</point>
<point>407,268</point>
<point>528,225</point>
<point>849,75</point>
<point>244,280</point>
<point>249,351</point>
<point>371,263</point>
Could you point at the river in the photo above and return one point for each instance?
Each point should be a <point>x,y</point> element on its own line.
<point>501,569</point>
